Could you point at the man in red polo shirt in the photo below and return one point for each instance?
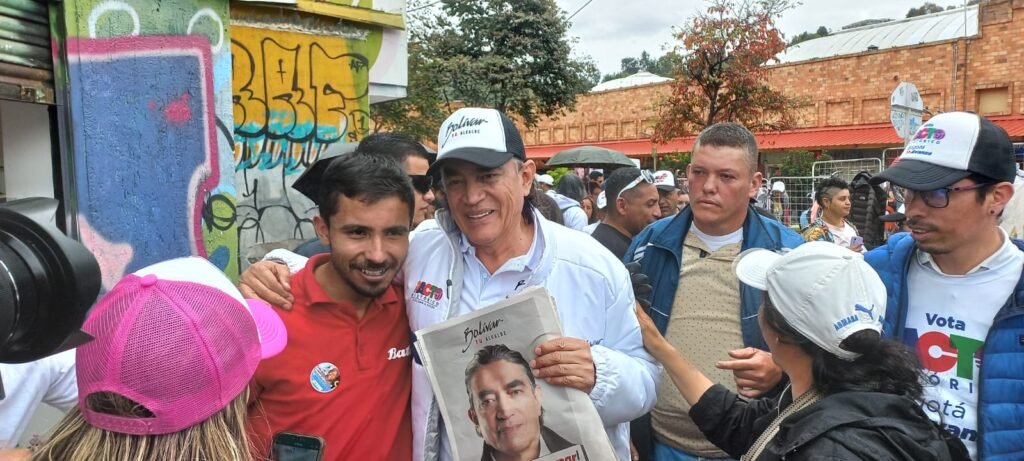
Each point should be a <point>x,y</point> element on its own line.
<point>345,375</point>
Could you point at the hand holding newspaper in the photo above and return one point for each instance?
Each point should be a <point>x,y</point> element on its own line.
<point>492,404</point>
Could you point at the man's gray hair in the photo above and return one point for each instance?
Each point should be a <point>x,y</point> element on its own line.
<point>729,134</point>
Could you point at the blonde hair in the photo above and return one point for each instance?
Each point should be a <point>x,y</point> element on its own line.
<point>220,437</point>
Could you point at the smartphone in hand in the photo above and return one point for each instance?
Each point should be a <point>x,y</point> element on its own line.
<point>856,241</point>
<point>297,447</point>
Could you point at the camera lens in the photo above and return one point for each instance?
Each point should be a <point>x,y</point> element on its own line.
<point>48,282</point>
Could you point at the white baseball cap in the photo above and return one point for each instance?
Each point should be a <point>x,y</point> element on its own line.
<point>665,180</point>
<point>824,291</point>
<point>546,179</point>
<point>778,186</point>
<point>485,137</point>
<point>948,148</point>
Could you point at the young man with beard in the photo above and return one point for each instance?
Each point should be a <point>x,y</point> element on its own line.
<point>697,301</point>
<point>954,282</point>
<point>345,373</point>
<point>490,243</point>
<point>412,157</point>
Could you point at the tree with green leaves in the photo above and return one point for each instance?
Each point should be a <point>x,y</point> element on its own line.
<point>805,36</point>
<point>927,8</point>
<point>512,55</point>
<point>800,162</point>
<point>674,161</point>
<point>422,111</point>
<point>722,76</point>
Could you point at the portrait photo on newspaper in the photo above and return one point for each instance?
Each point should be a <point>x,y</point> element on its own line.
<point>493,407</point>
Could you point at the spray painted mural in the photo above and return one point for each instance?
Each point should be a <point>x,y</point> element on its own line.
<point>295,94</point>
<point>150,99</point>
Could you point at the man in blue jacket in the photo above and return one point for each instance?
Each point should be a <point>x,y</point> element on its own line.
<point>697,302</point>
<point>955,291</point>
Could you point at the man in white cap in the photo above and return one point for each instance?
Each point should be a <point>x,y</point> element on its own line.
<point>490,244</point>
<point>546,183</point>
<point>779,202</point>
<point>668,192</point>
<point>954,282</point>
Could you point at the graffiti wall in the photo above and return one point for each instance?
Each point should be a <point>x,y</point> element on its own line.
<point>149,88</point>
<point>300,85</point>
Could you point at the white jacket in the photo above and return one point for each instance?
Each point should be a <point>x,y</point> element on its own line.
<point>572,213</point>
<point>595,303</point>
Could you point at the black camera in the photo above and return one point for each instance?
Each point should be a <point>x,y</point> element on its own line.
<point>48,282</point>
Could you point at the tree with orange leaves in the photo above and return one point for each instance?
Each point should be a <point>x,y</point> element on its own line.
<point>722,75</point>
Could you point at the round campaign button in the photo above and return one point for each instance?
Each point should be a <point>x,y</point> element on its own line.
<point>325,377</point>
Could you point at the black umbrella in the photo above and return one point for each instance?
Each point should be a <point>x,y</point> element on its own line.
<point>308,183</point>
<point>590,156</point>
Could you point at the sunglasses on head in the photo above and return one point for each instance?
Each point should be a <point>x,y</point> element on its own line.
<point>645,176</point>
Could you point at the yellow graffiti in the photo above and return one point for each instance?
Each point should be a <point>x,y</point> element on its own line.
<point>294,93</point>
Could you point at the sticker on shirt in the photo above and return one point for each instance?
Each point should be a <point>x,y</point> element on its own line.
<point>427,294</point>
<point>325,377</point>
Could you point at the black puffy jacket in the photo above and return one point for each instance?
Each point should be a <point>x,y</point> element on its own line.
<point>841,426</point>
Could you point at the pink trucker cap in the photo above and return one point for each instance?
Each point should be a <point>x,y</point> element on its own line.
<point>178,338</point>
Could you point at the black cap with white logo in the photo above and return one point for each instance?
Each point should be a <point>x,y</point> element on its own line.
<point>485,137</point>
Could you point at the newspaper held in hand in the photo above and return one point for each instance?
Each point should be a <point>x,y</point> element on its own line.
<point>493,407</point>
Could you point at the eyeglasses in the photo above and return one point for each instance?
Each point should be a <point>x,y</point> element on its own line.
<point>938,198</point>
<point>645,176</point>
<point>422,182</point>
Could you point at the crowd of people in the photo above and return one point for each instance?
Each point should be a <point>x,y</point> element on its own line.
<point>700,326</point>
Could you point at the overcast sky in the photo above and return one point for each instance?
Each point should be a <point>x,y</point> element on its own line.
<point>609,30</point>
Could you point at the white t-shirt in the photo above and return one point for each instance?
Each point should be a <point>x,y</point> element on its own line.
<point>714,242</point>
<point>948,319</point>
<point>842,236</point>
<point>49,380</point>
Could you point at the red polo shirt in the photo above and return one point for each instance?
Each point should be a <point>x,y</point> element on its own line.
<point>345,380</point>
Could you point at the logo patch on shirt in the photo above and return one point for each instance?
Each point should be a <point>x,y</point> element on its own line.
<point>427,294</point>
<point>325,377</point>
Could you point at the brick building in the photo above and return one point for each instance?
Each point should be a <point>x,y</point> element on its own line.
<point>962,59</point>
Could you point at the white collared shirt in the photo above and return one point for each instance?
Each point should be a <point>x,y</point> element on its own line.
<point>482,288</point>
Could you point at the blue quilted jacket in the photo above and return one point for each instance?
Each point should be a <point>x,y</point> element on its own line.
<point>1001,376</point>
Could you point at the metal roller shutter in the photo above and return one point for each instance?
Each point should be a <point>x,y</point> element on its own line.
<point>26,64</point>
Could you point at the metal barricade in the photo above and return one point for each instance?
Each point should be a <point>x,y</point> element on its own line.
<point>793,205</point>
<point>845,169</point>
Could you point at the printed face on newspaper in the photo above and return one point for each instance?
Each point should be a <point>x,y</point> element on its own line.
<point>493,407</point>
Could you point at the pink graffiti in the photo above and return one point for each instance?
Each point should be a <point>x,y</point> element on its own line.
<point>112,257</point>
<point>178,111</point>
<point>207,176</point>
